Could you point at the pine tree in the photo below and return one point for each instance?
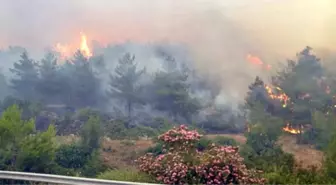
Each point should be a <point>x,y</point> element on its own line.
<point>172,94</point>
<point>52,84</point>
<point>124,84</point>
<point>26,77</point>
<point>85,87</point>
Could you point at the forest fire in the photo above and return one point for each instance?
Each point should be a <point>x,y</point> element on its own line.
<point>257,61</point>
<point>282,97</point>
<point>67,51</point>
<point>84,46</point>
<point>288,128</point>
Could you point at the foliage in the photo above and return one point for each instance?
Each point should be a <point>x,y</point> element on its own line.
<point>203,143</point>
<point>181,163</point>
<point>116,129</point>
<point>85,87</point>
<point>94,165</point>
<point>72,156</point>
<point>26,77</point>
<point>37,153</point>
<point>261,150</point>
<point>28,109</point>
<point>330,160</point>
<point>299,176</point>
<point>171,95</point>
<point>127,175</point>
<point>323,126</point>
<point>222,140</point>
<point>51,84</point>
<point>91,134</point>
<point>13,132</point>
<point>156,150</point>
<point>124,85</point>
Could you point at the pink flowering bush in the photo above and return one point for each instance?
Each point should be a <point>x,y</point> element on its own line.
<point>181,163</point>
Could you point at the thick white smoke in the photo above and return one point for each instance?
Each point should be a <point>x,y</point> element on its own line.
<point>218,34</point>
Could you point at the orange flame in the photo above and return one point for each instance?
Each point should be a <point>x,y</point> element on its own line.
<point>291,130</point>
<point>84,48</point>
<point>257,61</point>
<point>282,97</point>
<point>67,51</point>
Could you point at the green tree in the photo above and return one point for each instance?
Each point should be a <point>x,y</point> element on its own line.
<point>26,77</point>
<point>52,85</point>
<point>125,83</point>
<point>172,95</point>
<point>3,86</point>
<point>85,87</point>
<point>28,109</point>
<point>330,158</point>
<point>300,80</point>
<point>13,132</point>
<point>37,152</point>
<point>73,156</point>
<point>91,133</point>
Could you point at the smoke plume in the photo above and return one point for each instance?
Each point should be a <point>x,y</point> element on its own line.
<point>218,34</point>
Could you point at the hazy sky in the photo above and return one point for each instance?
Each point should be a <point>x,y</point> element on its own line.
<point>219,33</point>
<point>276,22</point>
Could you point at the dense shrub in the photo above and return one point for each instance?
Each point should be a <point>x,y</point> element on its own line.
<point>262,152</point>
<point>156,149</point>
<point>94,166</point>
<point>72,156</point>
<point>203,144</point>
<point>298,176</point>
<point>182,163</point>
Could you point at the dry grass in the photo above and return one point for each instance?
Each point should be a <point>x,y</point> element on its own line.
<point>67,139</point>
<point>122,153</point>
<point>305,155</point>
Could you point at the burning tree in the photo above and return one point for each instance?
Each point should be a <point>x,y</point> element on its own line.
<point>295,93</point>
<point>181,163</point>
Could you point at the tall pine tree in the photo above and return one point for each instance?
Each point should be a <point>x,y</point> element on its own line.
<point>52,84</point>
<point>125,83</point>
<point>85,87</point>
<point>26,78</point>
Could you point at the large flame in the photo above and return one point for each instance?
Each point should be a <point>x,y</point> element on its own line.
<point>67,50</point>
<point>84,46</point>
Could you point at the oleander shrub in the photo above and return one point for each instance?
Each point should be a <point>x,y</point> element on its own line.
<point>182,163</point>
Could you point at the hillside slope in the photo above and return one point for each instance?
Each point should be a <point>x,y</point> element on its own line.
<point>122,153</point>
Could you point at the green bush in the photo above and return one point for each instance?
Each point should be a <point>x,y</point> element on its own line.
<point>299,176</point>
<point>222,140</point>
<point>116,129</point>
<point>37,152</point>
<point>126,175</point>
<point>72,156</point>
<point>262,152</point>
<point>94,166</point>
<point>156,150</point>
<point>141,131</point>
<point>203,143</point>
